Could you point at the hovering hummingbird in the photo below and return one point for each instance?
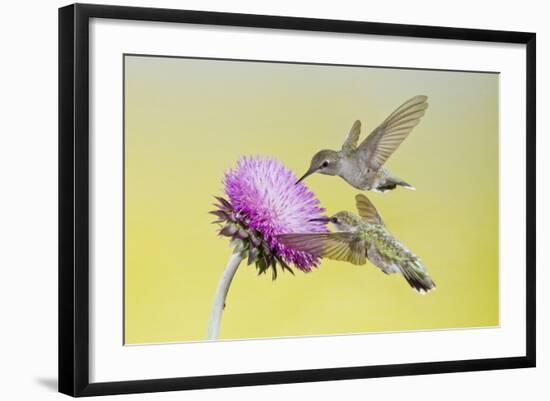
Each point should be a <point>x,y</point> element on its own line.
<point>361,166</point>
<point>358,238</point>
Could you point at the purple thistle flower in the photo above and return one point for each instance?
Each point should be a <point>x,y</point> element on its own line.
<point>263,197</point>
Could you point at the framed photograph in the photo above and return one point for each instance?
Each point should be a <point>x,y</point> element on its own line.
<point>251,199</point>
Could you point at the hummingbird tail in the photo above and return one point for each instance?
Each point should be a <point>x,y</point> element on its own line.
<point>406,185</point>
<point>417,276</point>
<point>391,184</point>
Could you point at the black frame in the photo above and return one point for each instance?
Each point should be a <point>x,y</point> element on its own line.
<point>74,192</point>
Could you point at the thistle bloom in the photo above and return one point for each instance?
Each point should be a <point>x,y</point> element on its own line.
<point>264,194</point>
<point>263,202</point>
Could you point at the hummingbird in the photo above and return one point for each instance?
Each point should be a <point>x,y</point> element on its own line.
<point>358,238</point>
<point>361,165</point>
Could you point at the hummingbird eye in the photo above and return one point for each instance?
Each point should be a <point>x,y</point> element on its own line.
<point>334,220</point>
<point>325,163</point>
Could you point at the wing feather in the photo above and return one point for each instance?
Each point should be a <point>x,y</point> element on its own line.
<point>343,246</point>
<point>387,137</point>
<point>366,210</point>
<point>353,136</point>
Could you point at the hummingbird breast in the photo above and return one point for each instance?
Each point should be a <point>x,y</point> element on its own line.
<point>383,263</point>
<point>355,173</point>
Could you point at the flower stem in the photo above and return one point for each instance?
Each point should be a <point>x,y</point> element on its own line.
<point>221,293</point>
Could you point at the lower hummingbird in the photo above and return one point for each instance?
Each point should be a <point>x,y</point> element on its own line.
<point>361,165</point>
<point>358,238</point>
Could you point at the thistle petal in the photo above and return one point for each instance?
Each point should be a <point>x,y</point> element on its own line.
<point>242,233</point>
<point>252,255</point>
<point>228,230</point>
<point>219,213</point>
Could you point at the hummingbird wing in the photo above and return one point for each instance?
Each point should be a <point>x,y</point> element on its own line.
<point>387,137</point>
<point>353,136</point>
<point>344,246</point>
<point>367,211</point>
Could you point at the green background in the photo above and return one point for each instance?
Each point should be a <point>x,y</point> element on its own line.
<point>187,121</point>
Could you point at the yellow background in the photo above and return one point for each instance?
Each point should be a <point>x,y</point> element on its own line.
<point>187,121</point>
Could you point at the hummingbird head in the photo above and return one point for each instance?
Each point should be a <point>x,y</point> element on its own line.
<point>323,162</point>
<point>342,221</point>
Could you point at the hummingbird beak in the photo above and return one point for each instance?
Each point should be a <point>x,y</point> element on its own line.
<point>322,219</point>
<point>307,174</point>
